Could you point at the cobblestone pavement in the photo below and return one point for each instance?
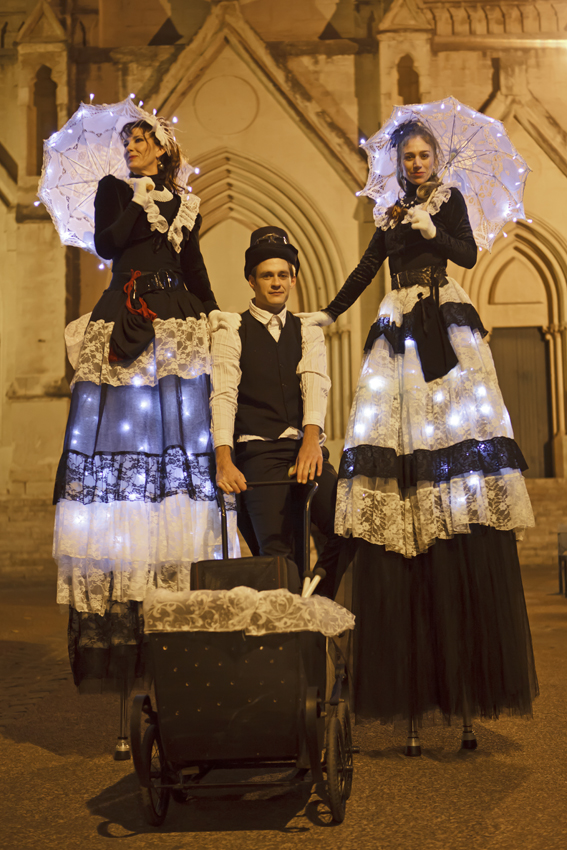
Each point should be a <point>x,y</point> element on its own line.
<point>61,789</point>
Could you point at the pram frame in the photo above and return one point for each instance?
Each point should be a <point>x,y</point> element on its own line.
<point>323,734</point>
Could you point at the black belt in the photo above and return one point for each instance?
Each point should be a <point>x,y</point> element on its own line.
<point>429,331</point>
<point>429,276</point>
<point>149,281</point>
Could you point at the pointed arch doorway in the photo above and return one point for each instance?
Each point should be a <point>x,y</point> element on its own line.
<point>520,291</point>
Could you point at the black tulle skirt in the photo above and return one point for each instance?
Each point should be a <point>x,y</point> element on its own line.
<point>442,632</point>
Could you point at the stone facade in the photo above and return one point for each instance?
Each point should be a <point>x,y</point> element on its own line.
<point>272,99</point>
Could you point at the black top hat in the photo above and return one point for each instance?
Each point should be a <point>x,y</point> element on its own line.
<point>269,243</point>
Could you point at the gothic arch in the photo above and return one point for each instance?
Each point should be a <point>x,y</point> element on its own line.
<point>539,245</point>
<point>408,80</point>
<point>252,193</point>
<point>545,250</point>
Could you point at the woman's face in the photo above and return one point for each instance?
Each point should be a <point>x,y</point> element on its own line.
<point>418,160</point>
<point>141,153</point>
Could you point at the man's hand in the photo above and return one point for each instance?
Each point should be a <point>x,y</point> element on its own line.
<point>309,461</point>
<point>229,477</point>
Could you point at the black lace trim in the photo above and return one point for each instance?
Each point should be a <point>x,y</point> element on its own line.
<point>134,476</point>
<point>485,456</point>
<point>452,313</point>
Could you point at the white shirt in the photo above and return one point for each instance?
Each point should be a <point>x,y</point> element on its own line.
<point>226,348</point>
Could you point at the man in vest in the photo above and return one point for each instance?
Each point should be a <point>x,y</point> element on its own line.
<point>269,400</point>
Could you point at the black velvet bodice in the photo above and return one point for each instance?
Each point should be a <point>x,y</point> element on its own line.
<point>123,235</point>
<point>408,249</point>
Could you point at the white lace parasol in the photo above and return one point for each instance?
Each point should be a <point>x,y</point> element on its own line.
<point>76,157</point>
<point>477,156</point>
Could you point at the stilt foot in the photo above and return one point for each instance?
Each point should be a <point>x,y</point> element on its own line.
<point>122,751</point>
<point>468,740</point>
<point>412,747</point>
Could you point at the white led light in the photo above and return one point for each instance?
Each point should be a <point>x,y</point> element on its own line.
<point>360,429</point>
<point>486,409</point>
<point>480,391</point>
<point>101,266</point>
<point>175,119</point>
<point>125,426</point>
<point>438,396</point>
<point>197,171</point>
<point>376,383</point>
<point>454,419</point>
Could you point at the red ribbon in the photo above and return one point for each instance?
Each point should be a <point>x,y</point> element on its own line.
<point>144,310</point>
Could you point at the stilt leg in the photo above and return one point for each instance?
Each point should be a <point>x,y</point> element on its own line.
<point>468,740</point>
<point>122,751</point>
<point>413,747</point>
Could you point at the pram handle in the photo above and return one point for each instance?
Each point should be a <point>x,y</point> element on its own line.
<point>313,487</point>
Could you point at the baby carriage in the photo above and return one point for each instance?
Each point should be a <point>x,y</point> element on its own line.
<point>241,684</point>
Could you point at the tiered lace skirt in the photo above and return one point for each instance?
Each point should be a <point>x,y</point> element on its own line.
<point>135,490</point>
<point>432,493</point>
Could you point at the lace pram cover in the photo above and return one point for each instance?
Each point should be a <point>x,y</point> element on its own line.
<point>243,609</point>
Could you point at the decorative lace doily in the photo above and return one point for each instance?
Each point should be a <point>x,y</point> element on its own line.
<point>244,609</point>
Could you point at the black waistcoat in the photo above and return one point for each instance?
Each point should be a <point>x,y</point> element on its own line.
<point>269,395</point>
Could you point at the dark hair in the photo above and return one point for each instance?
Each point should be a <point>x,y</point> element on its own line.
<point>169,162</point>
<point>410,130</point>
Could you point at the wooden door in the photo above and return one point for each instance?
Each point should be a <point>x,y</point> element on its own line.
<point>522,365</point>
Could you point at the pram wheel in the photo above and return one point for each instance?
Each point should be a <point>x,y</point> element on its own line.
<point>155,799</point>
<point>343,715</point>
<point>339,773</point>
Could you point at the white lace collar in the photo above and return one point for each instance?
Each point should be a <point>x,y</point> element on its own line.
<point>186,214</point>
<point>383,221</point>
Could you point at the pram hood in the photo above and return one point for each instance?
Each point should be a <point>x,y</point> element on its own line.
<point>243,609</point>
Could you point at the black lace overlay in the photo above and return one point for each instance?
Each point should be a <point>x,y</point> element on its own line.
<point>135,476</point>
<point>484,456</point>
<point>452,313</point>
<point>107,652</point>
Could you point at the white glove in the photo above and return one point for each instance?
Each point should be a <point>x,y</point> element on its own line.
<point>142,186</point>
<point>220,319</point>
<point>320,318</point>
<point>421,220</point>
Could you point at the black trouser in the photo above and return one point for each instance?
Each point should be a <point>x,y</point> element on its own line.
<point>270,518</point>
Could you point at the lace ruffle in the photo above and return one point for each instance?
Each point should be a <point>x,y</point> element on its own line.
<point>383,221</point>
<point>487,457</point>
<point>74,336</point>
<point>374,509</point>
<point>122,550</point>
<point>133,477</point>
<point>244,609</point>
<point>181,347</point>
<point>186,216</point>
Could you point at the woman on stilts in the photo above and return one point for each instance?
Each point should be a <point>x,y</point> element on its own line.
<point>135,489</point>
<point>431,490</point>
